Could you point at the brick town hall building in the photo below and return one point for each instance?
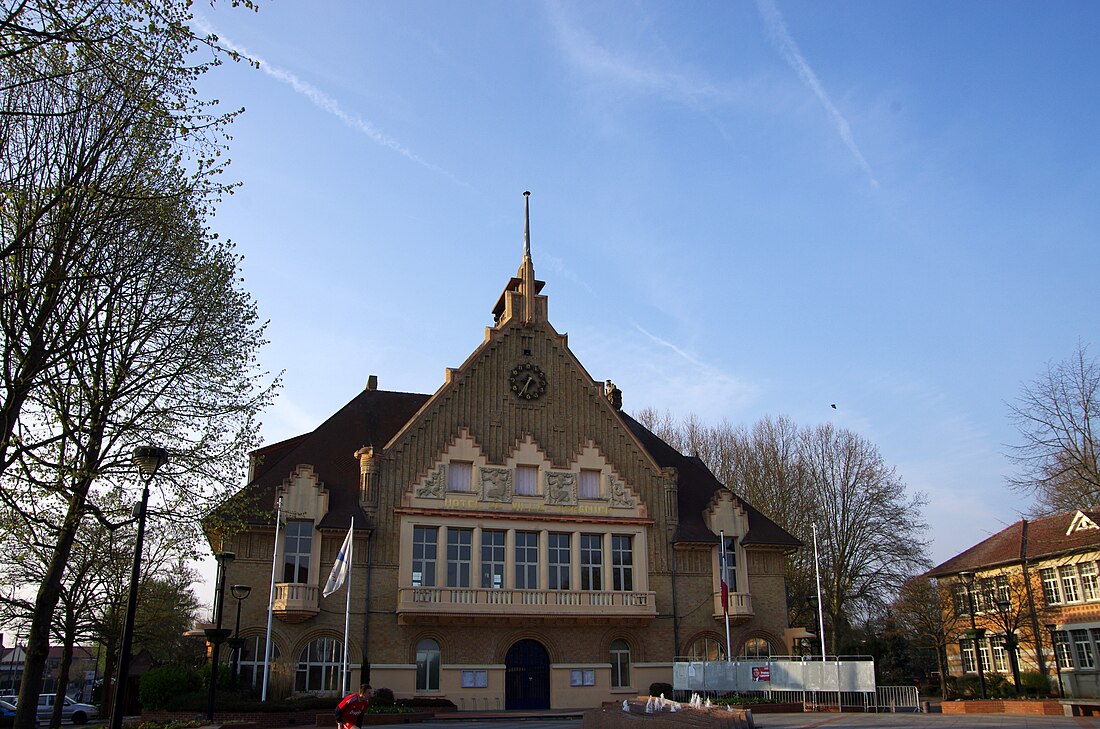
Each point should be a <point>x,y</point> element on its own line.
<point>520,541</point>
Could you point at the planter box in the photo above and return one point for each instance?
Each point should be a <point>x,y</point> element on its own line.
<point>998,706</point>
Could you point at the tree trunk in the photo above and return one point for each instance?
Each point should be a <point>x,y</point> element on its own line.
<point>62,680</point>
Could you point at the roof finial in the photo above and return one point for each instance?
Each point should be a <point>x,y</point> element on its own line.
<point>527,224</point>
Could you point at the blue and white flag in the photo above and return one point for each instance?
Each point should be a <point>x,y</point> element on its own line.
<point>340,566</point>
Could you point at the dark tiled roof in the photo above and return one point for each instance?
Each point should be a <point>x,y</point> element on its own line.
<point>697,486</point>
<point>1038,539</point>
<point>371,418</point>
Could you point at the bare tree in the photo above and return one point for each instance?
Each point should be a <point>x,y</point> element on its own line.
<point>1058,418</point>
<point>926,610</point>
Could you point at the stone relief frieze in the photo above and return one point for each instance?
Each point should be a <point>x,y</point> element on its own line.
<point>561,487</point>
<point>619,495</point>
<point>496,484</point>
<point>435,485</point>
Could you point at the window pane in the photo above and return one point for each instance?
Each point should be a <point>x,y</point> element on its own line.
<point>459,555</point>
<point>1051,594</point>
<point>559,561</point>
<point>1090,586</point>
<point>424,556</point>
<point>527,480</point>
<point>459,476</point>
<point>527,560</point>
<point>622,562</point>
<point>730,576</point>
<point>320,665</point>
<point>492,559</point>
<point>620,664</point>
<point>1083,649</point>
<point>589,484</point>
<point>1070,586</point>
<point>591,562</point>
<point>296,550</point>
<point>427,665</point>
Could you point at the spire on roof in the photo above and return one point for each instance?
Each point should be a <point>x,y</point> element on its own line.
<point>526,223</point>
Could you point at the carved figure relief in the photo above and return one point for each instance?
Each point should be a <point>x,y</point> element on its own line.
<point>496,484</point>
<point>435,485</point>
<point>561,487</point>
<point>619,496</point>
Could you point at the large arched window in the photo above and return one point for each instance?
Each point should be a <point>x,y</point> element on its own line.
<point>707,649</point>
<point>427,665</point>
<point>250,664</point>
<point>620,664</point>
<point>756,648</point>
<point>319,666</point>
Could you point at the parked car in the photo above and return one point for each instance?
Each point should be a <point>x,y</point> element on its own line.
<point>7,713</point>
<point>75,711</point>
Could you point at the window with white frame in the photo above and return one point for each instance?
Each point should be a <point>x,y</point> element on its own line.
<point>460,476</point>
<point>962,603</point>
<point>620,664</point>
<point>559,556</point>
<point>1082,649</point>
<point>527,560</point>
<point>425,540</point>
<point>492,559</point>
<point>320,665</point>
<point>730,574</point>
<point>1000,655</point>
<point>1071,588</point>
<point>1004,592</point>
<point>1090,582</point>
<point>459,556</point>
<point>707,649</point>
<point>1052,594</point>
<point>967,647</point>
<point>1061,649</point>
<point>250,663</point>
<point>527,480</point>
<point>591,561</point>
<point>622,563</point>
<point>589,484</point>
<point>427,665</point>
<point>297,545</point>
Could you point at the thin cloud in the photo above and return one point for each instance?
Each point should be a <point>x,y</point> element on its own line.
<point>669,345</point>
<point>781,37</point>
<point>584,52</point>
<point>325,102</point>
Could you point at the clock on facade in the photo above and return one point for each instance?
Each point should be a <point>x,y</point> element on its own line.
<point>527,381</point>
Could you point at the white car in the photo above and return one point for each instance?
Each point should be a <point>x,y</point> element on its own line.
<point>72,710</point>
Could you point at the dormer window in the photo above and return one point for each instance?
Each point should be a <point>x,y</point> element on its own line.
<point>527,480</point>
<point>459,476</point>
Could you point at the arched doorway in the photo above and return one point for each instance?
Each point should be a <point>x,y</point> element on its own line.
<point>527,676</point>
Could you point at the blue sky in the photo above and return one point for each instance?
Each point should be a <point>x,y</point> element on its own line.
<point>740,208</point>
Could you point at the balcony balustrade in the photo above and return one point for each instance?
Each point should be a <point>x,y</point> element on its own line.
<point>295,602</point>
<point>740,607</point>
<point>468,604</point>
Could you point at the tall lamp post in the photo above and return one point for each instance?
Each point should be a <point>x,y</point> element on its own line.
<point>975,632</point>
<point>148,460</point>
<point>217,634</point>
<point>1051,628</point>
<point>239,593</point>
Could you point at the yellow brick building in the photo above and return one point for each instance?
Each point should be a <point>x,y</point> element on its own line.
<point>520,541</point>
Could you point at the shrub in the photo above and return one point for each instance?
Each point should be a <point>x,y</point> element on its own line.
<point>1033,683</point>
<point>382,697</point>
<point>657,688</point>
<point>160,685</point>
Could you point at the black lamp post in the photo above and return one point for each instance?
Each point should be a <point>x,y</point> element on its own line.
<point>1004,607</point>
<point>1051,628</point>
<point>975,632</point>
<point>148,459</point>
<point>239,593</point>
<point>217,634</point>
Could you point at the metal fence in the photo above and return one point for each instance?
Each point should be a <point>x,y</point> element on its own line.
<point>847,681</point>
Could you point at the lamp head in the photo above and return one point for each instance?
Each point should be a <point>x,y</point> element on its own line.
<point>224,557</point>
<point>967,577</point>
<point>1051,627</point>
<point>240,591</point>
<point>1004,605</point>
<point>149,459</point>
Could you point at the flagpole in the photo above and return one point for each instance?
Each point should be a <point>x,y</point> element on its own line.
<point>347,606</point>
<point>271,597</point>
<point>725,591</point>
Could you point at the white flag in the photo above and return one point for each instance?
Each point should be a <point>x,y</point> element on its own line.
<point>340,566</point>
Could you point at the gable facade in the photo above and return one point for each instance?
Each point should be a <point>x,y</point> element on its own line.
<point>520,542</point>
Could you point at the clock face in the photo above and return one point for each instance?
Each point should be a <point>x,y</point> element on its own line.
<point>527,381</point>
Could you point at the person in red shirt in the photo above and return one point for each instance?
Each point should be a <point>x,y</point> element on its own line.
<point>350,711</point>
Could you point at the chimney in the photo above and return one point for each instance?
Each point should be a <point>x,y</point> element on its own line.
<point>372,383</point>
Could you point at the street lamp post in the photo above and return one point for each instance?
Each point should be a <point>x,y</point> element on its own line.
<point>1004,607</point>
<point>217,634</point>
<point>1051,628</point>
<point>148,460</point>
<point>239,593</point>
<point>975,632</point>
